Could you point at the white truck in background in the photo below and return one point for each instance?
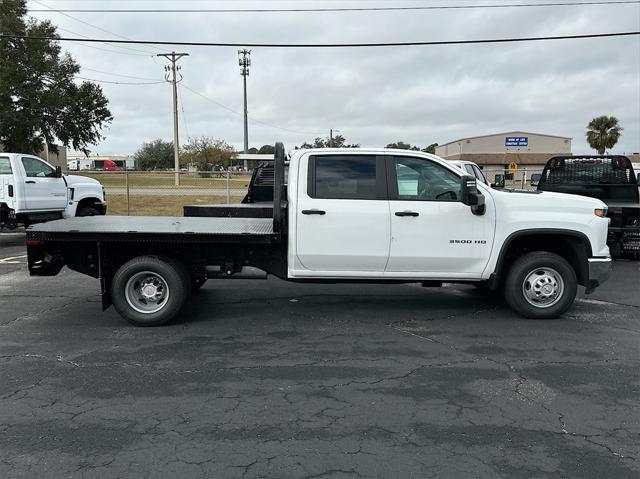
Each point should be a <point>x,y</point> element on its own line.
<point>33,191</point>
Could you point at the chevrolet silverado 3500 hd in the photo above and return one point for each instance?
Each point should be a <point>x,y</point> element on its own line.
<point>344,215</point>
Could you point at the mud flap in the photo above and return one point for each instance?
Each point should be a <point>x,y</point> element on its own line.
<point>106,277</point>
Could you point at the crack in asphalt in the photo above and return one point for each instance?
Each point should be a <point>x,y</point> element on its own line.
<point>521,380</point>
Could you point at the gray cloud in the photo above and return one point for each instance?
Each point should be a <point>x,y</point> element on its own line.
<point>374,96</point>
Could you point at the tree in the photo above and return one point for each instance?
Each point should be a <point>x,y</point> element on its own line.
<point>253,150</point>
<point>401,145</point>
<point>155,155</point>
<point>431,148</point>
<point>267,150</point>
<point>39,99</point>
<point>206,153</point>
<point>603,132</point>
<point>338,141</point>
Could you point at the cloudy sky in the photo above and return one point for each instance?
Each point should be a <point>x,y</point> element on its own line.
<point>373,96</point>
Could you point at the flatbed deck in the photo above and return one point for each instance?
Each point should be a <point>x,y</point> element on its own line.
<point>157,228</point>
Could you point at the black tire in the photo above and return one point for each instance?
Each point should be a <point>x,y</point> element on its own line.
<point>88,211</point>
<point>184,273</point>
<point>541,268</point>
<point>131,306</point>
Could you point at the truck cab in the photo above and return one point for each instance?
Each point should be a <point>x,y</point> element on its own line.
<point>345,215</point>
<point>34,191</point>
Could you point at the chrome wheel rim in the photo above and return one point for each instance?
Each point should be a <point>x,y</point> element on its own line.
<point>147,292</point>
<point>543,287</point>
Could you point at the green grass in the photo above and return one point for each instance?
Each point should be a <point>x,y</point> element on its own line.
<point>160,205</point>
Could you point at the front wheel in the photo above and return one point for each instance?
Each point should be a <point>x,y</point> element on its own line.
<point>540,285</point>
<point>148,291</point>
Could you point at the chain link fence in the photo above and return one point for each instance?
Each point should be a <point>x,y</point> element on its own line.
<point>523,178</point>
<point>155,193</point>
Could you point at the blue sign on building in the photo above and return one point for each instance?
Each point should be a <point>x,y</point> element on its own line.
<point>516,141</point>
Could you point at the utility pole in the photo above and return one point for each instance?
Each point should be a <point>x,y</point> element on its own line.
<point>331,137</point>
<point>244,60</point>
<point>173,57</point>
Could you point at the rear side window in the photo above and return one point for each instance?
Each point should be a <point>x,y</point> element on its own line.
<point>348,177</point>
<point>5,166</point>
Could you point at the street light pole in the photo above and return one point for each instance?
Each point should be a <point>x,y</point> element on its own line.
<point>244,60</point>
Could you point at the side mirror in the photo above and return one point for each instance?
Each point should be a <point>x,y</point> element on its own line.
<point>470,195</point>
<point>58,172</point>
<point>498,182</point>
<point>638,178</point>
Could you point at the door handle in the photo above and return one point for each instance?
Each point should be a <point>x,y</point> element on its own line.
<point>407,213</point>
<point>313,212</point>
<point>30,181</point>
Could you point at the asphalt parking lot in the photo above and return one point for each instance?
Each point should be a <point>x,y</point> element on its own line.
<point>271,379</point>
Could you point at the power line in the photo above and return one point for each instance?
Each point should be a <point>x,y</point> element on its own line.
<point>253,120</point>
<point>119,74</point>
<point>51,9</point>
<point>333,9</point>
<point>327,45</point>
<point>117,82</point>
<point>93,46</point>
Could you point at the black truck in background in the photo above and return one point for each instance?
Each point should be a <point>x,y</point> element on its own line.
<point>610,179</point>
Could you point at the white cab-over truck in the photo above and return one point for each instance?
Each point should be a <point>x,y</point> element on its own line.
<point>344,215</point>
<point>33,191</point>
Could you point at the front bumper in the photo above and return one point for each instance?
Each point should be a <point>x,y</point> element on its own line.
<point>599,271</point>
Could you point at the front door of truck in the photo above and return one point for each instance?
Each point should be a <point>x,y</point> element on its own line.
<point>43,190</point>
<point>342,217</point>
<point>432,231</point>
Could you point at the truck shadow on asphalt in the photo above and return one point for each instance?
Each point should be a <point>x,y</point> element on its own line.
<point>388,303</point>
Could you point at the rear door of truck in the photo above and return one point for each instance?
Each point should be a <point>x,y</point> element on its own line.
<point>342,217</point>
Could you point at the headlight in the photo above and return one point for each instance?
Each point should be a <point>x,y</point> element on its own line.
<point>601,212</point>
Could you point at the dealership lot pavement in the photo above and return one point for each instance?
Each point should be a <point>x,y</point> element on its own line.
<point>270,379</point>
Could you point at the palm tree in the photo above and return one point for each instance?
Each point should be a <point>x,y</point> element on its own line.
<point>603,132</point>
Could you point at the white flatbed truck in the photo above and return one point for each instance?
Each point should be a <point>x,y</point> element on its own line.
<point>345,215</point>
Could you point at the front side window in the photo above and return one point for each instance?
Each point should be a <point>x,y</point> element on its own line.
<point>419,179</point>
<point>35,168</point>
<point>5,166</point>
<point>343,177</point>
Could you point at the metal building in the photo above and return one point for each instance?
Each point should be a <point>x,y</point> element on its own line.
<point>499,150</point>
